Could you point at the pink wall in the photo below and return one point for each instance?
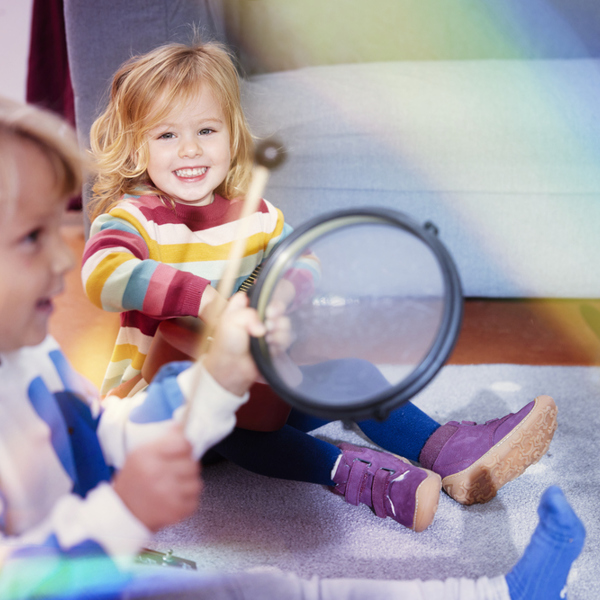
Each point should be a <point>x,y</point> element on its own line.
<point>15,16</point>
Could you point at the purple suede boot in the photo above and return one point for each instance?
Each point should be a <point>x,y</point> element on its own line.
<point>475,461</point>
<point>390,485</point>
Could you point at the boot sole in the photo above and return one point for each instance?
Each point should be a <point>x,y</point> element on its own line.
<point>427,498</point>
<point>519,449</point>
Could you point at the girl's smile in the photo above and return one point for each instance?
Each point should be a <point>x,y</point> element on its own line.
<point>189,174</point>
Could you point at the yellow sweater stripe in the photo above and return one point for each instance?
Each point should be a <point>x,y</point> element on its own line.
<point>198,252</point>
<point>128,351</point>
<point>95,282</point>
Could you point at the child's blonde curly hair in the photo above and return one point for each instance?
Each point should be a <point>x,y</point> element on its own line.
<point>172,74</point>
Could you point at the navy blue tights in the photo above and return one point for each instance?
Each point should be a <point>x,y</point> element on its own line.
<point>291,453</point>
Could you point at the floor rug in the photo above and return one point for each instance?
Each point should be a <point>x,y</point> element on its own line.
<point>247,520</point>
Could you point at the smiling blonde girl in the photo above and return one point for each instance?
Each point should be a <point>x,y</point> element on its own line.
<point>174,157</point>
<point>173,152</point>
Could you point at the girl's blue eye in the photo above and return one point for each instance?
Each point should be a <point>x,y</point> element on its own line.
<point>166,136</point>
<point>205,131</point>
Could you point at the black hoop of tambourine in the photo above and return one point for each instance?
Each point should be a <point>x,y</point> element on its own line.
<point>380,404</point>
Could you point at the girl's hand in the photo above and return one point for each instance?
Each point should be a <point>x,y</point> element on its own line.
<point>160,482</point>
<point>279,329</point>
<point>279,338</point>
<point>284,294</point>
<point>228,359</point>
<point>212,306</point>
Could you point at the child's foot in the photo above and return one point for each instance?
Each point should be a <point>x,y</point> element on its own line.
<point>475,461</point>
<point>542,572</point>
<point>390,485</point>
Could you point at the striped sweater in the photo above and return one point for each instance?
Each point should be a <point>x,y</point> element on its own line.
<point>150,261</point>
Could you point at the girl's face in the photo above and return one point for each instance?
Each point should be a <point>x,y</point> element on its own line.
<point>189,151</point>
<point>34,258</point>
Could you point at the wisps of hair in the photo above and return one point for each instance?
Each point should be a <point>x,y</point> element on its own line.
<point>52,134</point>
<point>144,91</point>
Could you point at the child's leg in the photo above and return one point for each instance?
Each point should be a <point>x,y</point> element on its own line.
<point>404,432</point>
<point>474,461</point>
<point>390,486</point>
<point>286,454</point>
<point>557,541</point>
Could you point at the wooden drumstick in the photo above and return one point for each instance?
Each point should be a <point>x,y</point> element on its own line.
<point>268,155</point>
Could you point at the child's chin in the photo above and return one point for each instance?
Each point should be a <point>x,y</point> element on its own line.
<point>32,339</point>
<point>38,334</point>
<point>37,339</point>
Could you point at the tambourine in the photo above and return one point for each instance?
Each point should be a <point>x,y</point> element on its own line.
<point>377,311</point>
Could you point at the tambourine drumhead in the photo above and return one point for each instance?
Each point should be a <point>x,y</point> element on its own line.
<point>377,311</point>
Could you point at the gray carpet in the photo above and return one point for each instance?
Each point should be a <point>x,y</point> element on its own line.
<point>247,520</point>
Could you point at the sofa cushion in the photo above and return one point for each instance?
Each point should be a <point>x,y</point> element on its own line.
<point>501,155</point>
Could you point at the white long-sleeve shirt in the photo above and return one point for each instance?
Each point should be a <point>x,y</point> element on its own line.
<point>59,448</point>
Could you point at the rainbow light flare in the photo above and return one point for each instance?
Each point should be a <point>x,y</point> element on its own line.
<point>529,136</point>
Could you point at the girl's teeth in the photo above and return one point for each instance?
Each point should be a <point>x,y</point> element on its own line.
<point>190,172</point>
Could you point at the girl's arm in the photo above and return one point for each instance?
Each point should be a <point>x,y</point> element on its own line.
<point>118,274</point>
<point>212,304</point>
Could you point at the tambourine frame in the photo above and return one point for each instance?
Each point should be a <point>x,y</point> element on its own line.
<point>380,405</point>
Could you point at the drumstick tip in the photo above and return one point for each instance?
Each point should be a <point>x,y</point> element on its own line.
<point>269,153</point>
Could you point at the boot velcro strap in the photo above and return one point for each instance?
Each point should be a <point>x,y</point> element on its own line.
<point>380,484</point>
<point>356,481</point>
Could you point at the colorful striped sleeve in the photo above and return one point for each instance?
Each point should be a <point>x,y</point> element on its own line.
<point>118,274</point>
<point>279,231</point>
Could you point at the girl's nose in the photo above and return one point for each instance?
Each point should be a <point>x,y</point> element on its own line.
<point>189,148</point>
